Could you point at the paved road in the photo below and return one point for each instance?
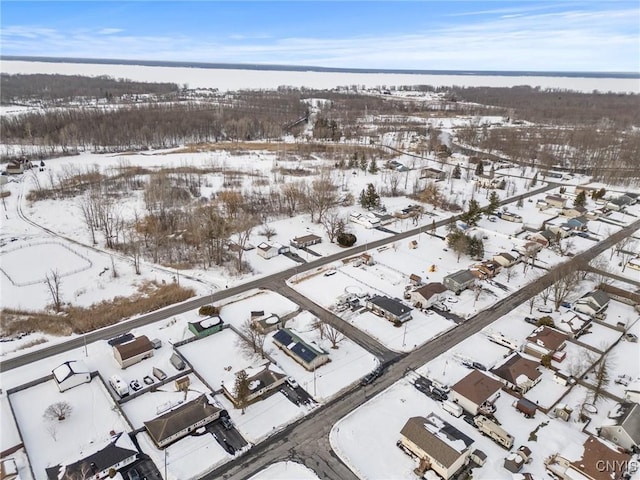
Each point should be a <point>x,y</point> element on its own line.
<point>194,303</point>
<point>307,440</point>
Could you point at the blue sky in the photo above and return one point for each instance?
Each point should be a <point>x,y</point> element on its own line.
<point>475,35</point>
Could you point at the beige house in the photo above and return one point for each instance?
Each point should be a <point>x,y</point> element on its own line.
<point>261,380</point>
<point>127,354</point>
<point>518,373</point>
<point>475,391</point>
<point>439,446</point>
<point>428,294</point>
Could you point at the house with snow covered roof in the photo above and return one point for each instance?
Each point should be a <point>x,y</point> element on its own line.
<point>594,460</point>
<point>208,326</point>
<point>624,429</point>
<point>518,373</point>
<point>181,421</point>
<point>439,445</point>
<point>103,461</point>
<point>546,341</point>
<point>310,357</point>
<point>261,380</point>
<point>475,391</point>
<point>592,303</point>
<point>71,374</point>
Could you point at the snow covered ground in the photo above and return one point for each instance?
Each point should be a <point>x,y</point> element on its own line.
<point>285,471</point>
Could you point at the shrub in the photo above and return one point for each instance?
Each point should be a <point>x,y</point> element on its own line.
<point>208,310</point>
<point>346,239</point>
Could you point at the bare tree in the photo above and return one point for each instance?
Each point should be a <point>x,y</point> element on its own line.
<point>327,330</point>
<point>268,231</point>
<point>52,429</point>
<point>532,302</point>
<point>333,224</point>
<point>545,294</point>
<point>53,280</point>
<point>564,284</point>
<point>322,197</point>
<point>603,377</point>
<point>601,266</point>
<point>252,339</point>
<point>58,411</point>
<point>244,227</point>
<point>293,195</point>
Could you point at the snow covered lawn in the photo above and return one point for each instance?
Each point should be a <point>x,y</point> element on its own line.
<point>600,337</point>
<point>285,471</point>
<point>91,420</point>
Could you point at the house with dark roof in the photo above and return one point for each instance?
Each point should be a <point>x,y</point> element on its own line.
<point>518,373</point>
<point>71,374</point>
<point>516,460</point>
<point>572,212</point>
<point>208,326</point>
<point>428,294</point>
<point>592,303</point>
<point>432,173</point>
<point>625,428</point>
<point>390,308</point>
<point>261,380</point>
<point>305,241</point>
<point>475,391</point>
<point>439,445</point>
<point>181,421</point>
<point>596,460</point>
<point>546,341</point>
<point>620,203</point>
<point>129,353</point>
<point>310,357</point>
<point>117,453</point>
<point>459,281</point>
<point>267,323</point>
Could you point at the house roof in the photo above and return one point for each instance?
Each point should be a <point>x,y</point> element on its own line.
<point>462,276</point>
<point>390,305</point>
<point>515,367</point>
<point>119,448</point>
<point>598,297</point>
<point>307,238</point>
<point>174,421</point>
<point>263,377</point>
<point>581,219</point>
<point>595,453</point>
<point>548,337</point>
<point>135,347</point>
<point>437,438</point>
<point>430,289</point>
<point>265,247</point>
<point>207,323</point>
<point>289,340</point>
<point>68,369</point>
<point>477,387</point>
<point>629,420</point>
<point>507,256</point>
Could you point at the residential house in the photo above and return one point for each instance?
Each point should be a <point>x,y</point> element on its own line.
<point>310,357</point>
<point>546,341</point>
<point>182,421</point>
<point>634,263</point>
<point>573,212</point>
<point>129,353</point>
<point>439,445</point>
<point>459,281</point>
<point>579,223</point>
<point>544,237</point>
<point>366,220</point>
<point>476,390</point>
<point>427,295</point>
<point>261,380</point>
<point>518,373</point>
<point>560,231</point>
<point>620,203</point>
<point>390,308</point>
<point>118,452</point>
<point>505,259</point>
<point>305,241</point>
<point>267,323</point>
<point>592,303</point>
<point>71,374</point>
<point>267,251</point>
<point>632,392</point>
<point>487,181</point>
<point>206,327</point>
<point>598,460</point>
<point>556,201</point>
<point>625,428</point>
<point>432,173</point>
<point>509,216</point>
<point>489,268</point>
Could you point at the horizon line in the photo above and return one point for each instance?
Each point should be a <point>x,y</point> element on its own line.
<point>313,68</point>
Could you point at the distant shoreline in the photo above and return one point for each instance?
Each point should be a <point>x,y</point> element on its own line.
<point>302,68</point>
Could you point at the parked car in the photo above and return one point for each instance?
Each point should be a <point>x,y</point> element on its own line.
<point>630,337</point>
<point>369,378</point>
<point>328,273</point>
<point>478,366</point>
<point>531,320</point>
<point>226,423</point>
<point>565,304</point>
<point>452,300</point>
<point>422,384</point>
<point>133,474</point>
<point>292,382</point>
<point>545,309</point>
<point>135,385</point>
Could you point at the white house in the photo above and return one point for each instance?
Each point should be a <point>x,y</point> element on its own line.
<point>475,390</point>
<point>592,303</point>
<point>428,294</point>
<point>623,426</point>
<point>366,220</point>
<point>71,374</point>
<point>267,251</point>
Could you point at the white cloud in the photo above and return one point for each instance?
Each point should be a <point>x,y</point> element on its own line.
<point>109,31</point>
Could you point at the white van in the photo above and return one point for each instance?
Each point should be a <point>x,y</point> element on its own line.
<point>119,386</point>
<point>453,408</point>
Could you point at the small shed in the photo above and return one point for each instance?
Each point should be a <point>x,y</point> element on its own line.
<point>71,374</point>
<point>525,406</point>
<point>177,361</point>
<point>206,327</point>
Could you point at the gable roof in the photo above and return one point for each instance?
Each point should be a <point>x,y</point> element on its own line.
<point>390,305</point>
<point>461,276</point>
<point>430,289</point>
<point>174,421</point>
<point>135,347</point>
<point>515,367</point>
<point>477,387</point>
<point>548,337</point>
<point>629,420</point>
<point>307,238</point>
<point>68,369</point>
<point>599,297</point>
<point>595,452</point>
<point>289,340</point>
<point>437,438</point>
<point>263,377</point>
<point>118,449</point>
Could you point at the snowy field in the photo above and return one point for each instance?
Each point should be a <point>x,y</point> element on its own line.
<point>50,443</point>
<point>228,79</point>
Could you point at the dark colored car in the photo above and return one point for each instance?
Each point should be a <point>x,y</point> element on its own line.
<point>226,423</point>
<point>422,384</point>
<point>531,320</point>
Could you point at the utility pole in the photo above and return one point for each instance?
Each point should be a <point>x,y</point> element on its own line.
<point>84,337</point>
<point>165,463</point>
<point>314,381</point>
<point>404,335</point>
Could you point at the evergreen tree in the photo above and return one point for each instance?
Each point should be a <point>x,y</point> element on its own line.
<point>473,213</point>
<point>373,166</point>
<point>520,203</point>
<point>534,180</point>
<point>492,172</point>
<point>363,164</point>
<point>580,199</point>
<point>353,161</point>
<point>241,390</point>
<point>369,198</point>
<point>479,168</point>
<point>494,203</point>
<point>475,247</point>
<point>456,172</point>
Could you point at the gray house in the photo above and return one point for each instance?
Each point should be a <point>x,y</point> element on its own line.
<point>592,303</point>
<point>459,281</point>
<point>625,432</point>
<point>389,308</point>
